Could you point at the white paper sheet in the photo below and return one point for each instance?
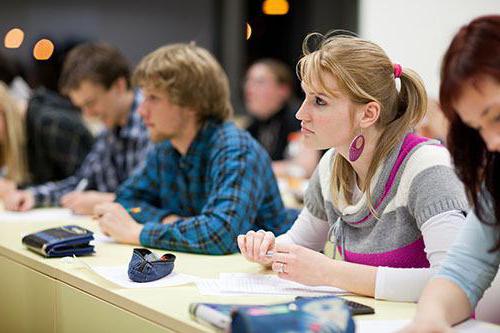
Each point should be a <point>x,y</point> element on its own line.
<point>244,284</point>
<point>102,238</point>
<point>119,276</point>
<point>40,214</point>
<point>391,326</point>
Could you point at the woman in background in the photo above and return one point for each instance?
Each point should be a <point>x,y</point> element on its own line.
<point>40,146</point>
<point>269,100</point>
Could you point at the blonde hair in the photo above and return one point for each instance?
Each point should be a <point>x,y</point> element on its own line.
<point>190,76</point>
<point>365,74</point>
<point>13,148</point>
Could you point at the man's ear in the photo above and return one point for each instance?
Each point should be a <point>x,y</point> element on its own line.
<point>370,113</point>
<point>120,84</point>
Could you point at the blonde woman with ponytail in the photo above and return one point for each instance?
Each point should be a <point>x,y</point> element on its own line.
<point>388,199</point>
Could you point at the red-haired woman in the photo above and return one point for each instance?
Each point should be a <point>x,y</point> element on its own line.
<point>470,97</point>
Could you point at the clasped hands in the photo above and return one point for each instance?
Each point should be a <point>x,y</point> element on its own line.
<point>291,262</point>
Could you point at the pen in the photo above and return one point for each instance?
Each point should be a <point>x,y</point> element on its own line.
<point>82,185</point>
<point>134,210</point>
<point>269,254</point>
<point>210,316</point>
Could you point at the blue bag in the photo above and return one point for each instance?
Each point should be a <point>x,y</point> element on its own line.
<point>145,266</point>
<point>325,315</point>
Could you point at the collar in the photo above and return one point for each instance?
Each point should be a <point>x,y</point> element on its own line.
<point>134,127</point>
<point>201,143</point>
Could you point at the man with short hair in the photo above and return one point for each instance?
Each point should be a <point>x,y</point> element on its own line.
<point>96,77</point>
<point>205,181</point>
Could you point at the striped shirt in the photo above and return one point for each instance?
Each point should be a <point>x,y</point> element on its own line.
<point>114,156</point>
<point>222,187</point>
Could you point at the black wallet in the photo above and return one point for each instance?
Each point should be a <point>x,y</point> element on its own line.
<point>61,241</point>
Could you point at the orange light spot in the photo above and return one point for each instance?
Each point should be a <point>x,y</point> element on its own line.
<point>14,38</point>
<point>249,31</point>
<point>43,49</point>
<point>275,7</point>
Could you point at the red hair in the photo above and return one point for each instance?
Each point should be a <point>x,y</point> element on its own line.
<point>474,52</point>
<point>473,55</point>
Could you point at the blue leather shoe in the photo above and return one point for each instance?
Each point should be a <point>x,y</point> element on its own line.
<point>145,266</point>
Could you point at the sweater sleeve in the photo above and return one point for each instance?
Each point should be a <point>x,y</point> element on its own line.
<point>439,233</point>
<point>308,231</point>
<point>430,186</point>
<point>470,264</point>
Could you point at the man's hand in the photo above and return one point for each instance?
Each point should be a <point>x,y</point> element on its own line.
<point>170,219</point>
<point>115,221</point>
<point>83,203</point>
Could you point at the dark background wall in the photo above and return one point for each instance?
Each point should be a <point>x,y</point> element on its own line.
<point>138,27</point>
<point>281,36</point>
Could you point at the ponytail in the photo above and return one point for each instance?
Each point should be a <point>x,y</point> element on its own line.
<point>364,72</point>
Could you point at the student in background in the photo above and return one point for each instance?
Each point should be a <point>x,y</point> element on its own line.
<point>387,198</point>
<point>434,125</point>
<point>28,138</point>
<point>97,79</point>
<point>269,100</point>
<point>470,97</point>
<point>205,181</point>
<point>11,75</point>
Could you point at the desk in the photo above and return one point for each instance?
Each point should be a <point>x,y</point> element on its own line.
<point>48,295</point>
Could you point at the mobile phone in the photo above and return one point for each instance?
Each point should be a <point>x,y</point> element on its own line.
<point>355,307</point>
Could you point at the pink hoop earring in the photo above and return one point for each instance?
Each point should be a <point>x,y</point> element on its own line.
<point>356,147</point>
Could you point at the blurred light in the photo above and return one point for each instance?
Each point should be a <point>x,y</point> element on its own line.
<point>249,31</point>
<point>43,49</point>
<point>14,38</point>
<point>275,7</point>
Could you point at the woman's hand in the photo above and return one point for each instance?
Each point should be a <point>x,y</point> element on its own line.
<point>19,201</point>
<point>300,264</point>
<point>254,246</point>
<point>6,187</point>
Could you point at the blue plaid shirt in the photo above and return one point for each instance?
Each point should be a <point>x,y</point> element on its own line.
<point>114,156</point>
<point>222,187</point>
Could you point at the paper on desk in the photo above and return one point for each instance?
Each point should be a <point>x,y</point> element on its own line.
<point>102,238</point>
<point>40,214</point>
<point>243,283</point>
<point>391,326</point>
<point>119,276</point>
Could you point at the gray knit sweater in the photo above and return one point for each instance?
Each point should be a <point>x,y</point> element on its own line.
<point>415,183</point>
